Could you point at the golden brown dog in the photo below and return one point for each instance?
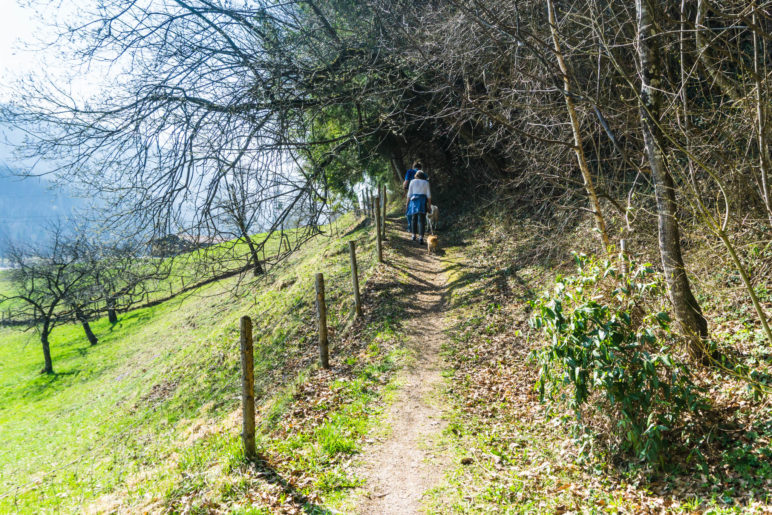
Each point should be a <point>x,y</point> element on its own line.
<point>432,242</point>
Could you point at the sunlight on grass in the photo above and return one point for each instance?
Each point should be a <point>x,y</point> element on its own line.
<point>122,406</point>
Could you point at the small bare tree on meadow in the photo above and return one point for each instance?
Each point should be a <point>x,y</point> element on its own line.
<point>44,279</point>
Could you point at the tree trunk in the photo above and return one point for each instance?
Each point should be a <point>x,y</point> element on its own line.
<point>257,268</point>
<point>761,120</point>
<point>687,310</point>
<point>398,171</point>
<point>48,368</point>
<point>702,53</point>
<point>578,149</point>
<point>111,314</point>
<point>92,339</point>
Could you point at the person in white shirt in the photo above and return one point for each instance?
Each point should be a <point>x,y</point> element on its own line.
<point>409,176</point>
<point>419,201</point>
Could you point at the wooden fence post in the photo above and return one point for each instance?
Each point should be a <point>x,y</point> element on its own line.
<point>378,242</point>
<point>247,389</point>
<point>383,211</point>
<point>321,313</point>
<point>355,278</point>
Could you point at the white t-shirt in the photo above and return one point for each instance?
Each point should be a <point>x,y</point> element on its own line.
<point>419,187</point>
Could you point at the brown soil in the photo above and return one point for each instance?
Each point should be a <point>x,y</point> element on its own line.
<point>400,468</point>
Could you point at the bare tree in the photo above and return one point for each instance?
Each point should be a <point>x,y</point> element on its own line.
<point>119,274</point>
<point>575,129</point>
<point>685,306</point>
<point>44,279</point>
<point>232,108</point>
<point>216,91</point>
<point>237,209</point>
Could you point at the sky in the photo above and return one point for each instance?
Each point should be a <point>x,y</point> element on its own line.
<point>25,207</point>
<point>16,23</point>
<point>24,24</point>
<point>24,27</point>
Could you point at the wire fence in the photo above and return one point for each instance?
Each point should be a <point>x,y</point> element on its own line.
<point>105,444</point>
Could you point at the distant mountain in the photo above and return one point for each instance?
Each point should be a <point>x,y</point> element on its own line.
<point>28,205</point>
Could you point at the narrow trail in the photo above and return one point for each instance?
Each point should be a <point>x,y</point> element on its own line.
<point>399,469</point>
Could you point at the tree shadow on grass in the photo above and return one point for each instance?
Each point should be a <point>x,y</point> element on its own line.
<point>487,281</point>
<point>468,281</point>
<point>266,472</point>
<point>43,383</point>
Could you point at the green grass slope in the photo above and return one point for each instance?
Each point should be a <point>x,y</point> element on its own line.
<point>171,276</point>
<point>127,406</point>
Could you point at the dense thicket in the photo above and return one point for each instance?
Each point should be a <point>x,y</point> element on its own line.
<point>655,108</point>
<point>646,114</point>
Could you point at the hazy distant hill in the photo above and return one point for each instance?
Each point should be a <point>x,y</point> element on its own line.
<point>27,205</point>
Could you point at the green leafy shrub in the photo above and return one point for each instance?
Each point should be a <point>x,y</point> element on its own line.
<point>609,358</point>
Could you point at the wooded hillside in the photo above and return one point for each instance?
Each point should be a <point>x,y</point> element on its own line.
<point>618,152</point>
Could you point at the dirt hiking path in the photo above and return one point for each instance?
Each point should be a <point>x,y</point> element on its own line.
<point>399,469</point>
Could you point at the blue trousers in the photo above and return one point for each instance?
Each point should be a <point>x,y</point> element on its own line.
<point>418,222</point>
<point>417,204</point>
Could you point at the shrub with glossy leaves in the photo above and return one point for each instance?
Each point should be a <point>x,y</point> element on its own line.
<point>609,357</point>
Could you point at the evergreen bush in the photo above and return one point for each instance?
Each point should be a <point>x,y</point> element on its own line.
<point>610,357</point>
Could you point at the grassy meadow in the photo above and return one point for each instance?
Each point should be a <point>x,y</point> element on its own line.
<point>113,411</point>
<point>187,270</point>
